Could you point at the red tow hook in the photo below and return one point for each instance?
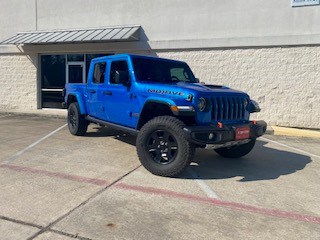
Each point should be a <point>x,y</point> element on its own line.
<point>220,125</point>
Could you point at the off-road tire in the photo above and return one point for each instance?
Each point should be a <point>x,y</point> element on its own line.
<point>183,155</point>
<point>236,151</point>
<point>77,122</point>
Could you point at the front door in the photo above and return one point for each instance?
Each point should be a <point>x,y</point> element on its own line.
<point>118,97</point>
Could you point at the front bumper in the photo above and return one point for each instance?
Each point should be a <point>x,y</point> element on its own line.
<point>222,134</point>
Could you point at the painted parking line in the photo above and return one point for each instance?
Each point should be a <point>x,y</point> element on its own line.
<point>172,194</point>
<point>203,185</point>
<point>18,154</point>
<point>292,148</point>
<point>209,191</point>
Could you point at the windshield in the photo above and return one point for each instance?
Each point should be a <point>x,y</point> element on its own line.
<point>161,71</point>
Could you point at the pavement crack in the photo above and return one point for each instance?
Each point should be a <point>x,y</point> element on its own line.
<point>76,236</point>
<point>21,222</point>
<point>50,225</point>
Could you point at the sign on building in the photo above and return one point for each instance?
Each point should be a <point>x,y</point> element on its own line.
<point>298,3</point>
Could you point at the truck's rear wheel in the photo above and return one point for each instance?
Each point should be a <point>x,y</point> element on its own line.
<point>236,151</point>
<point>162,146</point>
<point>77,123</point>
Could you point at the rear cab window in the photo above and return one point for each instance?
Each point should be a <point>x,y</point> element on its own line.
<point>99,73</point>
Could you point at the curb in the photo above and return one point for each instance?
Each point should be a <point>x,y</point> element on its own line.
<point>292,132</point>
<point>37,113</point>
<point>270,130</point>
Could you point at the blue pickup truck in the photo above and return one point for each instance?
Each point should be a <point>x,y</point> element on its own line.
<point>162,102</point>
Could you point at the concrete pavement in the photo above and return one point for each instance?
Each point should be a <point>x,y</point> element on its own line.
<point>93,187</point>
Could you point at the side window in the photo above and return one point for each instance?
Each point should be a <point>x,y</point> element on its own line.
<point>99,72</point>
<point>179,74</point>
<point>118,68</point>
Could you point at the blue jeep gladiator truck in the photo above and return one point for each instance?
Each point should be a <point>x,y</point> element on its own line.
<point>162,102</point>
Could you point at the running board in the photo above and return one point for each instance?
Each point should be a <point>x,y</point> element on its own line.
<point>112,125</point>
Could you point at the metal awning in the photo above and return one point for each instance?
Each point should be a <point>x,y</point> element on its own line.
<point>106,34</point>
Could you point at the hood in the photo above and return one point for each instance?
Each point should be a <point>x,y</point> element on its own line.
<point>184,89</point>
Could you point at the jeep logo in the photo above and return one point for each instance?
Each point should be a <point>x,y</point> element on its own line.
<point>165,92</point>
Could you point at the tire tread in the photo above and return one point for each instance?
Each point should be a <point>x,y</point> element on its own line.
<point>186,154</point>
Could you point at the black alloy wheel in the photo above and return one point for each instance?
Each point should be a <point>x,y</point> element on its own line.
<point>72,118</point>
<point>162,146</point>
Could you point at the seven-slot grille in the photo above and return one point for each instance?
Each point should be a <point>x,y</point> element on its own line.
<point>228,108</point>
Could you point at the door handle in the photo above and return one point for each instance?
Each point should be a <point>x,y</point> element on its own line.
<point>109,93</point>
<point>92,91</point>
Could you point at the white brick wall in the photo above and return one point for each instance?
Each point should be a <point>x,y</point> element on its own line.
<point>285,81</point>
<point>18,79</point>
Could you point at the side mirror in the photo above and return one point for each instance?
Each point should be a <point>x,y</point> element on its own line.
<point>122,77</point>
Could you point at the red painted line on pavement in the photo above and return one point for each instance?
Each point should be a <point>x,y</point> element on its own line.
<point>220,203</point>
<point>167,193</point>
<point>66,176</point>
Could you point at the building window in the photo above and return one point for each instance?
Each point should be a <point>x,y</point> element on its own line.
<point>57,70</point>
<point>75,57</point>
<point>53,71</point>
<point>76,73</point>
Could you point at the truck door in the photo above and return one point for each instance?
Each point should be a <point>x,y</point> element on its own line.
<point>119,99</point>
<point>95,90</point>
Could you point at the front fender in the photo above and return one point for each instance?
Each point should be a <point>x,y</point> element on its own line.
<point>176,106</point>
<point>154,99</point>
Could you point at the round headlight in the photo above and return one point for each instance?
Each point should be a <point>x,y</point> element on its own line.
<point>202,103</point>
<point>254,107</point>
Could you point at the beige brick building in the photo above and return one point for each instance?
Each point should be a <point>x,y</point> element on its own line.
<point>269,49</point>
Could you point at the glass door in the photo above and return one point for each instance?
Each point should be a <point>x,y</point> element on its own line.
<point>53,72</point>
<point>57,70</point>
<point>75,72</point>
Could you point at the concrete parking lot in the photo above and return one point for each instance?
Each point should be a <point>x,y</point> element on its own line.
<point>58,186</point>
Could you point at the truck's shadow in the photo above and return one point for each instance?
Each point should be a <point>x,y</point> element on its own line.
<point>108,132</point>
<point>263,163</point>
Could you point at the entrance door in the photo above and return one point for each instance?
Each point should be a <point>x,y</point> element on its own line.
<point>53,72</point>
<point>75,72</point>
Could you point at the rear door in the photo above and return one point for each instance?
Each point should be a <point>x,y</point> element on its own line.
<point>95,90</point>
<point>118,97</point>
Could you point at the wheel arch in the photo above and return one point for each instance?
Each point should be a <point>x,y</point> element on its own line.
<point>155,107</point>
<point>75,97</point>
<point>152,109</point>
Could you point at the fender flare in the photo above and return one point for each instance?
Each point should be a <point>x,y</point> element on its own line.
<point>80,101</point>
<point>153,101</point>
<point>167,102</point>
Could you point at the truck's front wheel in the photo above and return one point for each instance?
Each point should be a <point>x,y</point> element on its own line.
<point>236,151</point>
<point>77,123</point>
<point>162,146</point>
